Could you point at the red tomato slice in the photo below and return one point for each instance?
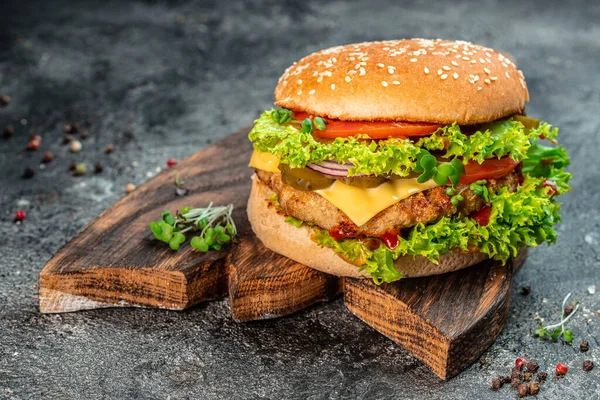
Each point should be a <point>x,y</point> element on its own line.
<point>482,217</point>
<point>375,130</point>
<point>490,169</point>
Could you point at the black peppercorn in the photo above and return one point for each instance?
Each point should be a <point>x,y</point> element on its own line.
<point>28,173</point>
<point>584,346</point>
<point>47,157</point>
<point>4,100</point>
<point>9,131</point>
<point>496,384</point>
<point>568,310</point>
<point>523,390</point>
<point>541,376</point>
<point>525,290</point>
<point>534,388</point>
<point>532,366</point>
<point>515,382</point>
<point>588,365</point>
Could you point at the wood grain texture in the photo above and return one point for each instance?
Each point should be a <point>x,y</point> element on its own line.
<point>447,321</point>
<point>115,261</point>
<point>263,284</point>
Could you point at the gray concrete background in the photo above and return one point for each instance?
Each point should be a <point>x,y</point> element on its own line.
<point>162,80</point>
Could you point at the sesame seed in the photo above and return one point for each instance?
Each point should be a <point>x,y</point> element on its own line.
<point>465,58</point>
<point>486,70</point>
<point>494,78</point>
<point>478,88</point>
<point>384,83</point>
<point>455,75</point>
<point>391,71</point>
<point>312,91</point>
<point>507,75</point>
<point>315,73</point>
<point>487,81</point>
<point>352,72</point>
<point>299,81</point>
<point>396,82</point>
<point>454,63</point>
<point>362,72</point>
<point>380,65</point>
<point>481,60</point>
<point>426,70</point>
<point>300,91</point>
<point>447,68</point>
<point>439,71</point>
<point>473,61</point>
<point>444,76</point>
<point>413,60</point>
<point>348,79</point>
<point>320,79</point>
<point>333,86</point>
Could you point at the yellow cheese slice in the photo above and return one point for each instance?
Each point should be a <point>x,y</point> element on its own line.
<point>360,204</point>
<point>265,161</point>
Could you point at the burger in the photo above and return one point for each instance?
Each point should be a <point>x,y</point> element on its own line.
<point>403,158</point>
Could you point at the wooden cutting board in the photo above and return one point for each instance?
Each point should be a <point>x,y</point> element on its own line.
<point>446,321</point>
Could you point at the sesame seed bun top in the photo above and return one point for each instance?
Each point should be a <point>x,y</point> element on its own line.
<point>405,80</point>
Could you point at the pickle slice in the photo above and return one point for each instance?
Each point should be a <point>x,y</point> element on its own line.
<point>304,178</point>
<point>528,123</point>
<point>364,182</point>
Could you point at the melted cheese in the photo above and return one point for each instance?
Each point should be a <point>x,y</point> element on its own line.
<point>265,161</point>
<point>360,204</point>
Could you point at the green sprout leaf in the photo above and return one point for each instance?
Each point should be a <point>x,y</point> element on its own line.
<point>555,331</point>
<point>307,126</point>
<point>540,331</point>
<point>282,116</point>
<point>568,336</point>
<point>320,123</point>
<point>214,224</point>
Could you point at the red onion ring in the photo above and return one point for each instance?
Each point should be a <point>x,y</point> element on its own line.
<point>333,168</point>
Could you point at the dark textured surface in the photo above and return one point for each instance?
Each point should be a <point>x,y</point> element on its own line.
<point>163,80</point>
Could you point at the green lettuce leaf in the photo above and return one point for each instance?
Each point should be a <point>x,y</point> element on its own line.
<point>294,221</point>
<point>525,217</point>
<point>396,155</point>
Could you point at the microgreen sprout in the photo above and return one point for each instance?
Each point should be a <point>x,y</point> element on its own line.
<point>180,189</point>
<point>480,189</point>
<point>429,168</point>
<point>307,126</point>
<point>180,183</point>
<point>213,227</point>
<point>283,116</point>
<point>557,330</point>
<point>320,123</point>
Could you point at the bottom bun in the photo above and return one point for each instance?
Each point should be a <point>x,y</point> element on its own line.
<point>270,227</point>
